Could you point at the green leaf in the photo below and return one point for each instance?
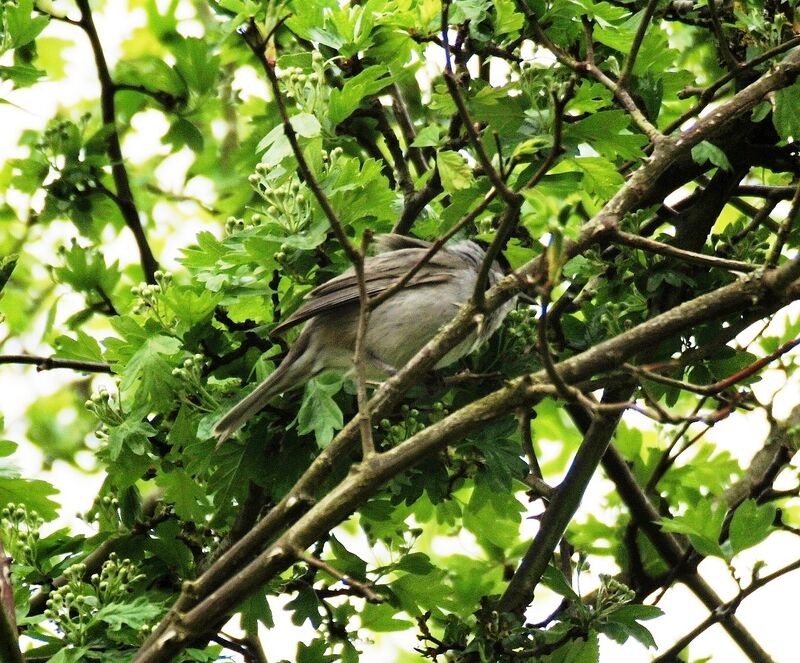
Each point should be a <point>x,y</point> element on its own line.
<point>319,413</point>
<point>33,493</point>
<point>608,132</point>
<point>343,102</point>
<point>183,133</point>
<point>70,655</point>
<point>507,18</point>
<point>168,546</point>
<point>190,304</point>
<point>305,606</point>
<point>151,73</point>
<point>751,524</point>
<point>427,137</point>
<point>86,271</point>
<point>626,620</point>
<point>361,194</point>
<point>454,171</point>
<point>345,561</point>
<point>417,563</point>
<point>554,578</point>
<point>381,618</point>
<point>702,524</point>
<point>255,610</point>
<point>196,65</point>
<point>149,369</point>
<point>705,151</point>
<point>7,265</point>
<point>132,434</point>
<point>786,118</point>
<point>184,492</point>
<point>82,348</point>
<point>136,615</point>
<point>306,125</point>
<point>576,651</point>
<point>21,75</point>
<point>22,26</point>
<point>760,111</point>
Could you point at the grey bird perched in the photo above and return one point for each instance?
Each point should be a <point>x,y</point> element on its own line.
<point>397,328</point>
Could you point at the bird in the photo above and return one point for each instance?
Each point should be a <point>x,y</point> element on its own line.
<point>397,328</point>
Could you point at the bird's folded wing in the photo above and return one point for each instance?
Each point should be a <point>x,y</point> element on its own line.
<point>381,272</point>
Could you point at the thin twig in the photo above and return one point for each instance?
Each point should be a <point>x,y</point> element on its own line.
<point>709,94</point>
<point>665,459</point>
<point>50,363</point>
<point>258,45</point>
<point>623,97</point>
<point>364,420</point>
<point>722,41</point>
<point>633,52</point>
<point>660,248</point>
<point>393,145</point>
<point>511,216</point>
<point>118,170</point>
<point>715,387</point>
<point>509,195</point>
<point>723,613</point>
<point>784,229</point>
<point>407,129</point>
<point>362,588</point>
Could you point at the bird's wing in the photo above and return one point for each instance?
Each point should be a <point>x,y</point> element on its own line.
<point>386,242</point>
<point>381,271</point>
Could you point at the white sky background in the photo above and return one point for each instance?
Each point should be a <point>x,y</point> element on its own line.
<point>766,614</point>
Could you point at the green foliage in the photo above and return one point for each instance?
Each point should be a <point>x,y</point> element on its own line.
<point>210,173</point>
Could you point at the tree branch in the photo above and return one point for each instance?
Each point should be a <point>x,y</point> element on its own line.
<point>519,592</point>
<point>234,582</point>
<point>50,363</point>
<point>118,170</point>
<point>9,641</point>
<point>653,246</point>
<point>723,613</point>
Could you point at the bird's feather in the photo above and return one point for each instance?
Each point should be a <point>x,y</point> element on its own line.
<point>382,271</point>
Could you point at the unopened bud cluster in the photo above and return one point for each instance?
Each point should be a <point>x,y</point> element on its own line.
<point>72,606</point>
<point>612,593</point>
<point>330,158</point>
<point>191,369</point>
<point>412,422</point>
<point>105,511</point>
<point>190,373</point>
<point>288,203</point>
<point>106,407</point>
<point>521,326</point>
<point>305,89</point>
<point>235,224</point>
<point>147,294</point>
<point>20,529</point>
<point>485,225</point>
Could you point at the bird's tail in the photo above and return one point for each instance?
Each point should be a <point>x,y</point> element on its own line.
<point>249,406</point>
<point>289,374</point>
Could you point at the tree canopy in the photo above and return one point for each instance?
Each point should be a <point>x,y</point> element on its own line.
<point>206,165</point>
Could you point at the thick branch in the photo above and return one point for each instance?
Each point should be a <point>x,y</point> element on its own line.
<point>519,592</point>
<point>9,643</point>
